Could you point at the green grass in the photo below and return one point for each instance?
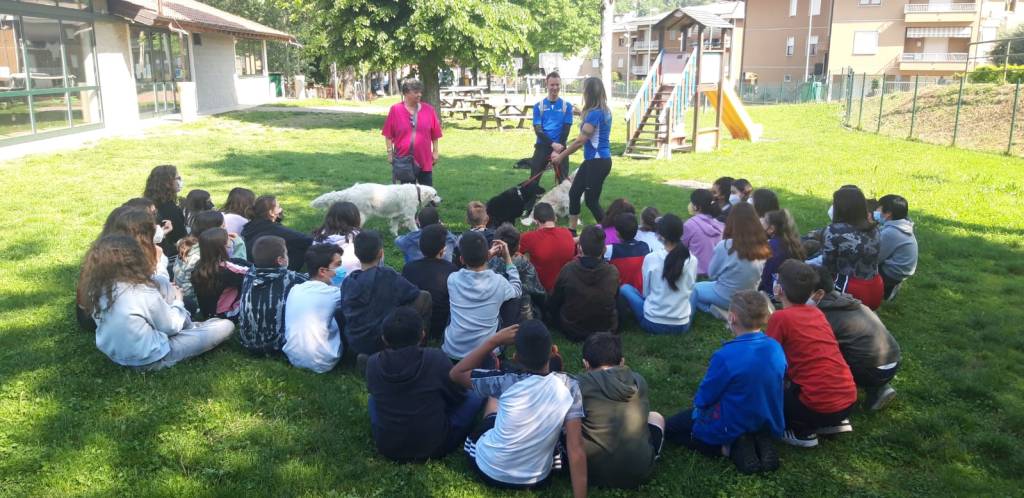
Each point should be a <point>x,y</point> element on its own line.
<point>318,102</point>
<point>73,423</point>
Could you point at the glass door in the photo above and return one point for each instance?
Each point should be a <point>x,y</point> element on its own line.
<point>161,60</point>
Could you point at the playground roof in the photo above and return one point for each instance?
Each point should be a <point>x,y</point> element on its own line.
<point>689,16</point>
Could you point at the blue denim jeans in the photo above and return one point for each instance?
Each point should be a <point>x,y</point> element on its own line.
<point>635,301</point>
<point>704,296</point>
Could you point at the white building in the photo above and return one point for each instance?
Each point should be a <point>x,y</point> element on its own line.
<point>74,65</point>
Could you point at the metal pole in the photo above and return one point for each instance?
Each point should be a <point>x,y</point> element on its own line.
<point>807,46</point>
<point>1013,118</point>
<point>1006,61</point>
<point>860,110</point>
<point>913,108</point>
<point>959,102</point>
<point>849,96</point>
<point>881,103</point>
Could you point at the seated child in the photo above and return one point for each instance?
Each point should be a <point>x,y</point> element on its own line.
<point>617,207</point>
<point>518,444</point>
<point>740,191</point>
<point>621,435</point>
<point>871,352</point>
<point>648,227</point>
<point>739,405</point>
<point>265,290</point>
<point>267,215</point>
<point>820,391</point>
<point>430,274</point>
<point>533,291</point>
<point>189,253</point>
<point>736,264</point>
<point>720,190</point>
<point>851,246</point>
<point>217,278</point>
<point>477,219</point>
<point>416,411</point>
<point>549,247</point>
<point>784,239</point>
<point>476,294</point>
<point>584,299</point>
<point>369,294</point>
<point>628,253</point>
<point>409,243</point>
<point>312,338</point>
<point>135,325</point>
<point>669,274</point>
<point>195,202</point>
<point>340,227</point>
<point>897,255</point>
<point>702,232</point>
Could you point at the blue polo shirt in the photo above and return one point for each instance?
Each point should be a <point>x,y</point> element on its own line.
<point>554,118</point>
<point>599,145</point>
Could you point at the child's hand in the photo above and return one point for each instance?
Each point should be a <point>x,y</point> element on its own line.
<point>177,294</point>
<point>167,226</point>
<point>501,249</point>
<point>506,336</point>
<point>232,236</point>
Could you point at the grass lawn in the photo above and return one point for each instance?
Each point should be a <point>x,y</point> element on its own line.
<point>73,423</point>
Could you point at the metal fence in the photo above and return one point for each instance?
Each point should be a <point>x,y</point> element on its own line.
<point>957,110</point>
<point>815,90</point>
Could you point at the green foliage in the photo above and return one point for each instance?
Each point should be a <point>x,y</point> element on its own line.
<point>288,16</point>
<point>565,26</point>
<point>648,7</point>
<point>1016,48</point>
<point>995,74</point>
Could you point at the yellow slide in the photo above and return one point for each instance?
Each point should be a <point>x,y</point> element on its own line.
<point>734,115</point>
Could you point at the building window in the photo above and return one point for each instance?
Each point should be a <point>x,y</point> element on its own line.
<point>812,45</point>
<point>249,57</point>
<point>619,65</point>
<point>160,60</point>
<point>815,7</point>
<point>47,76</point>
<point>790,46</point>
<point>787,78</point>
<point>865,42</point>
<point>870,2</point>
<point>622,41</point>
<point>792,8</point>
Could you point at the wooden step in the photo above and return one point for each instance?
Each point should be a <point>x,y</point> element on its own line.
<point>634,155</point>
<point>645,147</point>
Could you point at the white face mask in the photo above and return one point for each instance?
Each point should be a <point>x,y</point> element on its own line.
<point>830,213</point>
<point>811,301</point>
<point>734,199</point>
<point>179,184</point>
<point>158,235</point>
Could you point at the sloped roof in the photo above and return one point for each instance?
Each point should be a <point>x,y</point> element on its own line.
<point>194,16</point>
<point>694,15</point>
<point>725,10</point>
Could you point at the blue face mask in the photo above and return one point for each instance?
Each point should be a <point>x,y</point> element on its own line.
<point>878,216</point>
<point>339,275</point>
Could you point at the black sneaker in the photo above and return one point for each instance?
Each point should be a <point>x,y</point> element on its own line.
<point>879,398</point>
<point>842,427</point>
<point>743,453</point>
<point>766,451</point>
<point>802,440</point>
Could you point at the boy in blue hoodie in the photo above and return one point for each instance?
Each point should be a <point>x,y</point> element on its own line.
<point>738,406</point>
<point>897,253</point>
<point>409,243</point>
<point>371,293</point>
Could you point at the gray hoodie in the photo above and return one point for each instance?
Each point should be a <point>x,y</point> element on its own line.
<point>897,257</point>
<point>731,272</point>
<point>475,298</point>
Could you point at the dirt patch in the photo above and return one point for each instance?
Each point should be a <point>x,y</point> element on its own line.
<point>690,184</point>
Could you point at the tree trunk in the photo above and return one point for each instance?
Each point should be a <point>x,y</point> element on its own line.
<point>607,16</point>
<point>393,77</point>
<point>431,84</point>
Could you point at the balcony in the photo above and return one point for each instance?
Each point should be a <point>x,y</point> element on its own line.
<point>640,70</point>
<point>644,46</point>
<point>933,61</point>
<point>939,12</point>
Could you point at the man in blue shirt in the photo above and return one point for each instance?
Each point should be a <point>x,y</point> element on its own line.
<point>552,119</point>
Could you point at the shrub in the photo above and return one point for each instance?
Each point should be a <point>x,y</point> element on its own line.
<point>994,74</point>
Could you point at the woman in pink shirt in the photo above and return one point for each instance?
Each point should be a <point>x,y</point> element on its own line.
<point>398,127</point>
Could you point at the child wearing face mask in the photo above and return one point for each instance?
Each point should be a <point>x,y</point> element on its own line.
<point>264,293</point>
<point>312,335</point>
<point>897,257</point>
<point>740,191</point>
<point>267,217</point>
<point>162,188</point>
<point>703,230</point>
<point>720,190</point>
<point>785,243</point>
<point>217,277</point>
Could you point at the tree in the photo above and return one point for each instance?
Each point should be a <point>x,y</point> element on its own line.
<point>428,33</point>
<point>648,7</point>
<point>1016,48</point>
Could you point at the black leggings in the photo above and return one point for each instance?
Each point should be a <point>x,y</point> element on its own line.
<point>589,180</point>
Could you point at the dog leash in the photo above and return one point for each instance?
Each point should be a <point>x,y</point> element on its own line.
<point>539,173</point>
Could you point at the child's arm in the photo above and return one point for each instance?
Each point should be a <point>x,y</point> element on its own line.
<point>531,284</point>
<point>167,318</point>
<point>717,260</point>
<point>461,372</point>
<point>577,457</point>
<point>713,386</point>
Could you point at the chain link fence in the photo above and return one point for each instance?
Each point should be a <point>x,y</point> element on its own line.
<point>815,90</point>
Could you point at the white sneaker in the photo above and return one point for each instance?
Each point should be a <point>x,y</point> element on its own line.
<point>791,438</point>
<point>719,313</point>
<point>843,426</point>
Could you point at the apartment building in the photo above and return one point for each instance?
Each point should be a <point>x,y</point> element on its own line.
<point>635,40</point>
<point>793,40</point>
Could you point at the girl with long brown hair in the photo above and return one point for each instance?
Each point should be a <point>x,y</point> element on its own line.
<point>736,263</point>
<point>162,187</point>
<point>217,278</point>
<point>784,239</point>
<point>135,325</point>
<point>594,136</point>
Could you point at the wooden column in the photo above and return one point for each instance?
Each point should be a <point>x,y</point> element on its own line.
<point>696,91</point>
<point>721,91</point>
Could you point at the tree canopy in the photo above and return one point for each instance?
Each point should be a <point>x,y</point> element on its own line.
<point>998,53</point>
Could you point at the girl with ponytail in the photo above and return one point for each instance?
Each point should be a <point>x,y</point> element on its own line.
<point>669,275</point>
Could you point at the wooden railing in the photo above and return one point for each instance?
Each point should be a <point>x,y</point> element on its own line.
<point>643,98</point>
<point>681,99</point>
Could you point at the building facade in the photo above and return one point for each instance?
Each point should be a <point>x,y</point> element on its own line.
<point>74,65</point>
<point>795,40</point>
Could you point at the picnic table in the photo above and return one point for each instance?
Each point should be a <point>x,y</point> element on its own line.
<point>498,111</point>
<point>461,100</point>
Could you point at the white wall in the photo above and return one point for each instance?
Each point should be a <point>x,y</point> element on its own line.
<point>217,87</point>
<point>116,77</point>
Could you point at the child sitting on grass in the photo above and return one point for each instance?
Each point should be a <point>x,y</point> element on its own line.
<point>519,442</point>
<point>702,232</point>
<point>784,239</point>
<point>135,325</point>
<point>669,274</point>
<point>549,247</point>
<point>585,295</point>
<point>628,253</point>
<point>621,435</point>
<point>477,219</point>
<point>737,263</point>
<point>409,243</point>
<point>819,391</point>
<point>265,290</point>
<point>648,227</point>
<point>897,256</point>
<point>533,291</point>
<point>312,337</point>
<point>217,277</point>
<point>738,406</point>
<point>340,227</point>
<point>416,411</point>
<point>430,273</point>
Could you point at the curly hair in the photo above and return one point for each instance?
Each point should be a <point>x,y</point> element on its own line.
<point>111,260</point>
<point>748,236</point>
<point>161,185</point>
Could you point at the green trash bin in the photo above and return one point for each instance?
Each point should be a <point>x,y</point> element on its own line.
<point>277,80</point>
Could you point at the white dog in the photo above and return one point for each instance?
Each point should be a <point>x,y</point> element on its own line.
<point>558,197</point>
<point>396,203</point>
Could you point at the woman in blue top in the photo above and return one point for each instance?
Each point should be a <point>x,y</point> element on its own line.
<point>597,156</point>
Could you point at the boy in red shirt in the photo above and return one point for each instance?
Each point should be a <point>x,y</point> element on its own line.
<point>820,391</point>
<point>548,247</point>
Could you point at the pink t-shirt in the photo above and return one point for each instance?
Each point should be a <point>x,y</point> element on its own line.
<point>398,128</point>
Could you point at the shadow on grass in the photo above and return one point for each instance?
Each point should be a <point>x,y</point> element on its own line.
<point>232,424</point>
<point>302,120</point>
